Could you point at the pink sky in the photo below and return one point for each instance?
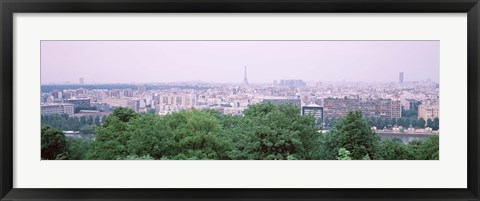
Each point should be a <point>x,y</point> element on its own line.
<point>224,61</point>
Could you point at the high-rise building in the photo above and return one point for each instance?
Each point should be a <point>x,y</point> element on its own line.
<point>396,109</point>
<point>316,111</point>
<point>400,78</point>
<point>81,80</point>
<point>245,81</point>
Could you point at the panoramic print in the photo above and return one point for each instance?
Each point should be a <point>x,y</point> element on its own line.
<point>240,100</point>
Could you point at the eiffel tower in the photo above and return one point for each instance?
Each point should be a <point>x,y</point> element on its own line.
<point>245,81</point>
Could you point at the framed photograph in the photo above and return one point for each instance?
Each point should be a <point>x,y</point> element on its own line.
<point>239,100</point>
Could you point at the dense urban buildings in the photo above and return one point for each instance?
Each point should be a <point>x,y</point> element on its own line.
<point>338,107</point>
<point>327,101</point>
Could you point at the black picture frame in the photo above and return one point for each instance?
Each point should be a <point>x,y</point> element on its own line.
<point>9,7</point>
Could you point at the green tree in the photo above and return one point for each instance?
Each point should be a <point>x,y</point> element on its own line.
<point>379,123</point>
<point>436,124</point>
<point>135,157</point>
<point>393,150</point>
<point>343,154</point>
<point>413,122</point>
<point>411,113</point>
<point>72,123</point>
<point>430,123</point>
<point>393,121</point>
<point>421,123</point>
<point>83,120</point>
<point>78,148</point>
<point>328,146</point>
<point>64,122</point>
<point>182,135</point>
<point>111,140</point>
<point>89,120</point>
<point>414,149</point>
<point>97,120</point>
<point>425,150</point>
<point>149,135</point>
<point>104,119</point>
<point>429,149</point>
<point>197,135</point>
<point>273,132</point>
<point>123,114</point>
<point>354,134</point>
<point>402,121</point>
<point>54,144</point>
<point>152,111</point>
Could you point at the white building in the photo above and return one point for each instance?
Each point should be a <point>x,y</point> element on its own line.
<point>61,108</point>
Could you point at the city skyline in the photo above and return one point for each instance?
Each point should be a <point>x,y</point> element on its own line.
<point>224,61</point>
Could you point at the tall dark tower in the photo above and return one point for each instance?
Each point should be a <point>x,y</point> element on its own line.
<point>400,78</point>
<point>245,81</point>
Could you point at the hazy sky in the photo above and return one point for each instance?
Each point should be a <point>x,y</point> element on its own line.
<point>224,61</point>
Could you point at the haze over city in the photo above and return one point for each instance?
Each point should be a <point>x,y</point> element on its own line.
<point>223,61</point>
<point>240,100</point>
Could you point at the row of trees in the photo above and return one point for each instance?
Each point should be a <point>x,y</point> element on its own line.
<point>386,122</point>
<point>406,122</point>
<point>411,118</point>
<point>65,122</point>
<point>56,146</point>
<point>264,132</point>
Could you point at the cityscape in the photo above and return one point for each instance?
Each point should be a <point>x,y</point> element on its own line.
<point>401,112</point>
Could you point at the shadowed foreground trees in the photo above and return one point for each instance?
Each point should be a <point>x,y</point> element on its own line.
<point>271,132</point>
<point>78,148</point>
<point>182,135</point>
<point>426,150</point>
<point>264,132</point>
<point>54,144</point>
<point>352,133</point>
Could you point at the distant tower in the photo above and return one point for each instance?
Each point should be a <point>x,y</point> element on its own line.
<point>81,80</point>
<point>400,79</point>
<point>245,81</point>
